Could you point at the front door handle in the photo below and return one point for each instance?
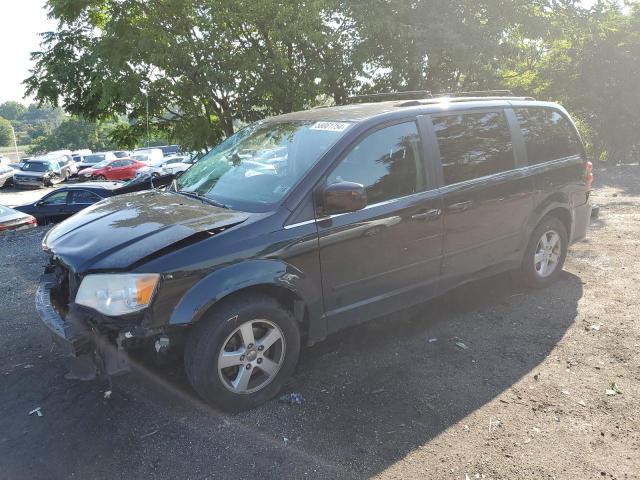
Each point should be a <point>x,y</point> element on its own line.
<point>460,206</point>
<point>428,215</point>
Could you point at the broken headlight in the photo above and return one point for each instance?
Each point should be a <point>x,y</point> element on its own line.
<point>117,294</point>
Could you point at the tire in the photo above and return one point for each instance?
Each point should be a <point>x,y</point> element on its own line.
<point>534,274</point>
<point>220,331</point>
<point>101,178</point>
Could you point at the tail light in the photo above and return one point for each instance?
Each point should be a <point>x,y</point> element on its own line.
<point>589,175</point>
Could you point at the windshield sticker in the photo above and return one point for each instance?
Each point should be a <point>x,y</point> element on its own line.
<point>330,126</point>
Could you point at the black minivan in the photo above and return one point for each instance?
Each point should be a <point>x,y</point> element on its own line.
<point>303,224</point>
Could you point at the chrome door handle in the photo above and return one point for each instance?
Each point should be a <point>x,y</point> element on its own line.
<point>460,207</point>
<point>428,215</point>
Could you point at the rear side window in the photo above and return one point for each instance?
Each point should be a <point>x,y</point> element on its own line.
<point>84,197</point>
<point>473,145</point>
<point>548,135</point>
<point>387,163</point>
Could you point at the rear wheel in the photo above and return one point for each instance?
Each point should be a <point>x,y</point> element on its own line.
<point>243,353</point>
<point>545,254</point>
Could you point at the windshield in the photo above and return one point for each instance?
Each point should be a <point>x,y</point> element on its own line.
<point>257,166</point>
<point>36,167</point>
<point>94,158</point>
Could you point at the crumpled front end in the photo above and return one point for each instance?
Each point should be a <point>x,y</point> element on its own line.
<point>95,344</point>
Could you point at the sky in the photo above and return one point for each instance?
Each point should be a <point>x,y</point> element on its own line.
<point>20,23</point>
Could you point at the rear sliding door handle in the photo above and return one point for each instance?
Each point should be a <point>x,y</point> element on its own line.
<point>459,207</point>
<point>428,215</point>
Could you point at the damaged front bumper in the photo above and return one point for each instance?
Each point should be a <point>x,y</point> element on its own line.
<point>90,352</point>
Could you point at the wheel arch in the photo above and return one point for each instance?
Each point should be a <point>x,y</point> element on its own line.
<point>270,277</point>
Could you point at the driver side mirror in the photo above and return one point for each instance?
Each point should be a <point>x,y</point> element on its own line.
<point>343,197</point>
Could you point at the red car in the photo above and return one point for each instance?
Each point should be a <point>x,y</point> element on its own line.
<point>118,169</point>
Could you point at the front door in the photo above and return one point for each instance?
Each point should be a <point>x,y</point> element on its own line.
<point>486,199</point>
<point>52,208</point>
<point>386,256</point>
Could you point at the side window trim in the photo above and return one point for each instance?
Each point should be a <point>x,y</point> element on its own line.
<point>430,152</point>
<point>517,139</point>
<point>423,183</point>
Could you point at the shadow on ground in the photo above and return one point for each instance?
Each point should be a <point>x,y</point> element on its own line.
<point>379,391</point>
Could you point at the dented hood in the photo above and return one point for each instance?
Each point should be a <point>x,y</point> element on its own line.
<point>120,231</point>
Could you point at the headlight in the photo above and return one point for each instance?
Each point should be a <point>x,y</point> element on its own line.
<point>117,294</point>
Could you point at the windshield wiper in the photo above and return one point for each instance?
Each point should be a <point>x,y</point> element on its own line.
<point>204,198</point>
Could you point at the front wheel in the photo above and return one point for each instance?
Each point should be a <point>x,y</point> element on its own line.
<point>243,353</point>
<point>545,255</point>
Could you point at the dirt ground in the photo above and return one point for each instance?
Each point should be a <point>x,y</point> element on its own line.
<point>489,382</point>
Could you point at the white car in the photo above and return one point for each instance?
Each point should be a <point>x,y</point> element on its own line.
<point>4,160</point>
<point>147,155</point>
<point>164,166</point>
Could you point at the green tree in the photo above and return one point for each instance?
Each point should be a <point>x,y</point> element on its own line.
<point>440,46</point>
<point>589,60</point>
<point>197,66</point>
<point>12,110</point>
<point>6,135</point>
<point>76,133</point>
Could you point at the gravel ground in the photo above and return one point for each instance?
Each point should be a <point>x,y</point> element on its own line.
<point>396,398</point>
<point>12,197</point>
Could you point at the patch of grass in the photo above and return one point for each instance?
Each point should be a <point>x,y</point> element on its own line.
<point>10,151</point>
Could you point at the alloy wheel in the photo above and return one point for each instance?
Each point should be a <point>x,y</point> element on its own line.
<point>547,254</point>
<point>251,356</point>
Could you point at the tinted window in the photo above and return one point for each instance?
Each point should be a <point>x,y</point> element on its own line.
<point>118,163</point>
<point>58,198</point>
<point>84,196</point>
<point>473,145</point>
<point>548,135</point>
<point>387,163</point>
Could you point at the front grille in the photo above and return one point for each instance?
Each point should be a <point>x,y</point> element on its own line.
<point>24,179</point>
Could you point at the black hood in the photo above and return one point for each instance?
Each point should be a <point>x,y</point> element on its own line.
<point>120,231</point>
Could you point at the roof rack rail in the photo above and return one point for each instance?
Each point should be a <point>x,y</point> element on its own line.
<point>425,94</point>
<point>379,97</point>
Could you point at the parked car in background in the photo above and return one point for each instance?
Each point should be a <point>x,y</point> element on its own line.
<point>173,165</point>
<point>42,171</point>
<point>66,201</point>
<point>95,158</point>
<point>118,169</point>
<point>147,155</point>
<point>167,150</point>
<point>18,165</point>
<point>122,153</point>
<point>6,175</point>
<point>11,219</point>
<point>4,160</point>
<point>78,155</point>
